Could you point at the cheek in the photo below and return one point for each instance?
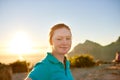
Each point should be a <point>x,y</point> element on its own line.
<point>54,42</point>
<point>70,42</point>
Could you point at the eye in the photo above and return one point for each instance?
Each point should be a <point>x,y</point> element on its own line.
<point>69,38</point>
<point>59,39</point>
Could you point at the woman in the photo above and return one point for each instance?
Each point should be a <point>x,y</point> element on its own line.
<point>55,66</point>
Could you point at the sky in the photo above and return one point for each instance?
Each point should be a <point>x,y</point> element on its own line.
<point>95,20</point>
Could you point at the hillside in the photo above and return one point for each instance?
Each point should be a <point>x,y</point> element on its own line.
<point>105,53</point>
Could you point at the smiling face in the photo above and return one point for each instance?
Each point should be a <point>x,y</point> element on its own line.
<point>61,41</point>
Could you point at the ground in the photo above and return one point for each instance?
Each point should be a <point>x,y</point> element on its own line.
<point>102,72</point>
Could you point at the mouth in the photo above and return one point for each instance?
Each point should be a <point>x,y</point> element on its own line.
<point>64,48</point>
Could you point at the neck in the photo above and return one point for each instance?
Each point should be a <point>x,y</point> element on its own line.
<point>59,57</point>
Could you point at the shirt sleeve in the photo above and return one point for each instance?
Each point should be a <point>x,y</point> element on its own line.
<point>39,72</point>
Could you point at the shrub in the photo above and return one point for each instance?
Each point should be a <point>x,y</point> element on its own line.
<point>5,72</point>
<point>83,60</point>
<point>19,66</point>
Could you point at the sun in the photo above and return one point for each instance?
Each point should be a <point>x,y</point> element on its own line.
<point>20,44</point>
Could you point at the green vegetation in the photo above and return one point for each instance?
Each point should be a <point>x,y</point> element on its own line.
<point>19,66</point>
<point>5,72</point>
<point>83,60</point>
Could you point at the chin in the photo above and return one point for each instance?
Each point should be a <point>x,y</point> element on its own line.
<point>64,52</point>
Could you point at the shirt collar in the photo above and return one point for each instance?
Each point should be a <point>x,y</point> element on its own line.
<point>51,58</point>
<point>54,60</point>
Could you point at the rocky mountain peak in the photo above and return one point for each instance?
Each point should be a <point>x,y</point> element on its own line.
<point>105,53</point>
<point>118,39</point>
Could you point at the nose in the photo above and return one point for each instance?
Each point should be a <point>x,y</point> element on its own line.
<point>64,41</point>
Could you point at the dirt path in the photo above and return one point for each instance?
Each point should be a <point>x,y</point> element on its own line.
<point>19,76</point>
<point>103,72</point>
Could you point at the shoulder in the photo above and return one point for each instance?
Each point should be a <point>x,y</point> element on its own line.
<point>40,70</point>
<point>41,66</point>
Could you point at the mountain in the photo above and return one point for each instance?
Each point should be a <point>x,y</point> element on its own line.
<point>105,53</point>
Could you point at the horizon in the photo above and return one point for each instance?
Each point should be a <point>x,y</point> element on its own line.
<point>32,58</point>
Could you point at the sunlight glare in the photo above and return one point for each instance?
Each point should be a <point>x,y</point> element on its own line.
<point>20,44</point>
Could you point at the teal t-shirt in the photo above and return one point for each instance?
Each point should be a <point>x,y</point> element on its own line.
<point>51,69</point>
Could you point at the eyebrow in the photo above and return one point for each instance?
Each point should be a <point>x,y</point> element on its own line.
<point>63,36</point>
